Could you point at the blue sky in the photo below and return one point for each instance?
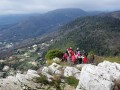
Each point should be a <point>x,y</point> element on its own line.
<point>40,6</point>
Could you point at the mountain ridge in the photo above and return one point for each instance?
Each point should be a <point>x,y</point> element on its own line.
<point>39,25</point>
<point>99,34</point>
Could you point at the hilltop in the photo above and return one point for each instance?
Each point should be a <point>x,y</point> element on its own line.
<point>99,34</point>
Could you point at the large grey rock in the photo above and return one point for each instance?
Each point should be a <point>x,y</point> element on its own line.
<point>6,68</point>
<point>10,83</point>
<point>80,66</point>
<point>32,73</point>
<point>57,60</point>
<point>20,81</point>
<point>2,74</point>
<point>45,71</point>
<point>99,77</point>
<point>72,71</point>
<point>55,68</point>
<point>111,68</point>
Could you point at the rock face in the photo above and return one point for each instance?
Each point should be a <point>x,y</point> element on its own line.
<point>56,59</point>
<point>45,71</point>
<point>53,69</point>
<point>112,69</point>
<point>20,82</point>
<point>105,76</point>
<point>99,77</point>
<point>6,68</point>
<point>56,69</point>
<point>72,71</point>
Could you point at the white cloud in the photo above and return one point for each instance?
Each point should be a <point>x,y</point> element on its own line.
<point>32,6</point>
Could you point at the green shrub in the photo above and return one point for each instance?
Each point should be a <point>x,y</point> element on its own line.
<point>42,79</point>
<point>54,83</point>
<point>2,65</point>
<point>24,66</point>
<point>54,53</point>
<point>72,81</point>
<point>91,52</point>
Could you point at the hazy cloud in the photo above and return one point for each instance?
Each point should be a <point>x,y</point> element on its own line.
<point>36,6</point>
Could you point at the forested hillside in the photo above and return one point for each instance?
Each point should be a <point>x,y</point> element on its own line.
<point>99,34</point>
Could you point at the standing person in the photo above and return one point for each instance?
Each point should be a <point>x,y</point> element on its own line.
<point>65,56</point>
<point>85,53</point>
<point>70,49</point>
<point>92,57</point>
<point>69,58</point>
<point>77,50</point>
<point>67,52</point>
<point>79,57</point>
<point>73,57</point>
<point>85,59</point>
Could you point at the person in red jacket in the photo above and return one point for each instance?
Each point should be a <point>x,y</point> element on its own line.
<point>85,59</point>
<point>65,56</point>
<point>74,59</point>
<point>72,54</point>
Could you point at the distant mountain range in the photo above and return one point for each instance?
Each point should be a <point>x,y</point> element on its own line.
<point>24,27</point>
<point>94,31</point>
<point>12,19</point>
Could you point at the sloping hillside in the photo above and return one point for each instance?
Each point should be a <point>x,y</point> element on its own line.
<point>40,24</point>
<point>99,34</point>
<point>115,14</point>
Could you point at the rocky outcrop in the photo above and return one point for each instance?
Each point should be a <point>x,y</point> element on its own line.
<point>80,66</point>
<point>6,68</point>
<point>56,59</point>
<point>53,69</point>
<point>72,71</point>
<point>112,69</point>
<point>105,76</point>
<point>101,77</point>
<point>56,69</point>
<point>45,71</point>
<point>20,82</point>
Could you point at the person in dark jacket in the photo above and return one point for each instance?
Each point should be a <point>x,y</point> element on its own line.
<point>85,53</point>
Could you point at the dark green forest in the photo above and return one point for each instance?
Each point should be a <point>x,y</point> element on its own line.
<point>98,34</point>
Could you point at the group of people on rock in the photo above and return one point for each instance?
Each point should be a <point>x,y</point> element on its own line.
<point>77,57</point>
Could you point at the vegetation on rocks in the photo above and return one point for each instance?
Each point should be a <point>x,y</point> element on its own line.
<point>54,53</point>
<point>55,83</point>
<point>72,81</point>
<point>42,79</point>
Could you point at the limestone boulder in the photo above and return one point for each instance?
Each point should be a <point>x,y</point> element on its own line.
<point>101,77</point>
<point>45,71</point>
<point>55,69</point>
<point>20,82</point>
<point>6,68</point>
<point>112,69</point>
<point>57,60</point>
<point>72,71</point>
<point>80,66</point>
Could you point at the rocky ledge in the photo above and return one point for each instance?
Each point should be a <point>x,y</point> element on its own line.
<point>104,76</point>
